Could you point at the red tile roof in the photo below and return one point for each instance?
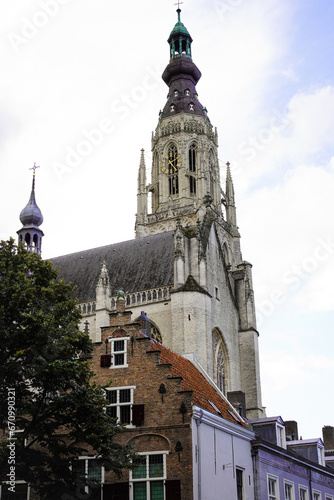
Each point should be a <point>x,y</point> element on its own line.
<point>194,380</point>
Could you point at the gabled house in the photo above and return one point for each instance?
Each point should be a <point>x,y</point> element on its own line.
<point>193,444</point>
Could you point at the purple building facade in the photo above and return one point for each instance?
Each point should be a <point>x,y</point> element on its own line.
<point>286,469</point>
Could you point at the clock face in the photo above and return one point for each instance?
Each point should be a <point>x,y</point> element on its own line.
<point>171,163</point>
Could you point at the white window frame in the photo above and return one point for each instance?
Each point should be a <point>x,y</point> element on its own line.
<point>270,477</point>
<point>305,490</point>
<point>114,353</point>
<point>280,435</point>
<point>118,404</point>
<point>7,483</point>
<point>132,480</point>
<point>328,496</point>
<point>321,455</point>
<point>292,486</point>
<point>318,493</point>
<point>87,458</point>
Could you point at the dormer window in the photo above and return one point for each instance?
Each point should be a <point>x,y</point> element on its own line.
<point>321,455</point>
<point>176,93</point>
<point>172,108</point>
<point>280,433</point>
<point>191,106</point>
<point>187,92</point>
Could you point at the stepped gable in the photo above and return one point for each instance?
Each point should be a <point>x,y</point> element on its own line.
<point>133,265</point>
<point>194,381</point>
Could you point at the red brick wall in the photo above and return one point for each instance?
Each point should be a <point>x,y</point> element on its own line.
<point>163,425</point>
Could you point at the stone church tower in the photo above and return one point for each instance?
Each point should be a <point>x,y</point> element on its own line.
<point>185,268</point>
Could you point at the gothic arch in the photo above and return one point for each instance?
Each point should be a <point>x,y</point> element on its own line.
<point>220,361</point>
<point>171,167</point>
<point>192,166</point>
<point>155,332</point>
<point>212,172</point>
<point>227,254</point>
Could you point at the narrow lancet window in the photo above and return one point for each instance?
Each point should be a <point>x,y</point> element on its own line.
<point>173,166</point>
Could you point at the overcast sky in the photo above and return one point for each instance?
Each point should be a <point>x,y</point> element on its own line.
<point>70,68</point>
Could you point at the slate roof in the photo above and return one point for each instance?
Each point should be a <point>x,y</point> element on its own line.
<point>133,265</point>
<point>194,380</point>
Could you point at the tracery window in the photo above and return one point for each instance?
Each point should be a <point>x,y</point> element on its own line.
<point>211,173</point>
<point>219,362</point>
<point>173,165</point>
<point>192,167</point>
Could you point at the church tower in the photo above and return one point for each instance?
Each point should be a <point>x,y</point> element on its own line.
<point>185,170</point>
<point>184,269</point>
<point>31,217</point>
<point>212,303</point>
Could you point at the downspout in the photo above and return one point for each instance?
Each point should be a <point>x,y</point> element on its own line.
<point>254,453</point>
<point>199,476</point>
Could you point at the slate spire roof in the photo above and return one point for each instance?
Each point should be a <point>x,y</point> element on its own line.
<point>31,215</point>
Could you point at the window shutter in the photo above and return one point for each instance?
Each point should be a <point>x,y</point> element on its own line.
<point>138,414</point>
<point>105,360</point>
<point>117,491</point>
<point>173,489</point>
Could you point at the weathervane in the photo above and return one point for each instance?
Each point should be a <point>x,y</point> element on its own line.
<point>178,4</point>
<point>34,168</point>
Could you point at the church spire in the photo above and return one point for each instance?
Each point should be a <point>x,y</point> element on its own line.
<point>181,75</point>
<point>31,217</point>
<point>141,217</point>
<point>231,217</point>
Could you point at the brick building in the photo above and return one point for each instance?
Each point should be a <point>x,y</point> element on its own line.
<point>185,430</point>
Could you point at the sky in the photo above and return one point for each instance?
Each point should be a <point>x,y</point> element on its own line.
<point>80,95</point>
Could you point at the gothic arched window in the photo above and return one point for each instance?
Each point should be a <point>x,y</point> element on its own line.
<point>172,166</point>
<point>211,173</point>
<point>192,167</point>
<point>192,158</point>
<point>219,362</point>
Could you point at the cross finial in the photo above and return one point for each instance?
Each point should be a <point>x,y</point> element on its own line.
<point>34,168</point>
<point>178,4</point>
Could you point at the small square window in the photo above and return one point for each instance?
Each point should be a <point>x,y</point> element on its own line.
<point>118,352</point>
